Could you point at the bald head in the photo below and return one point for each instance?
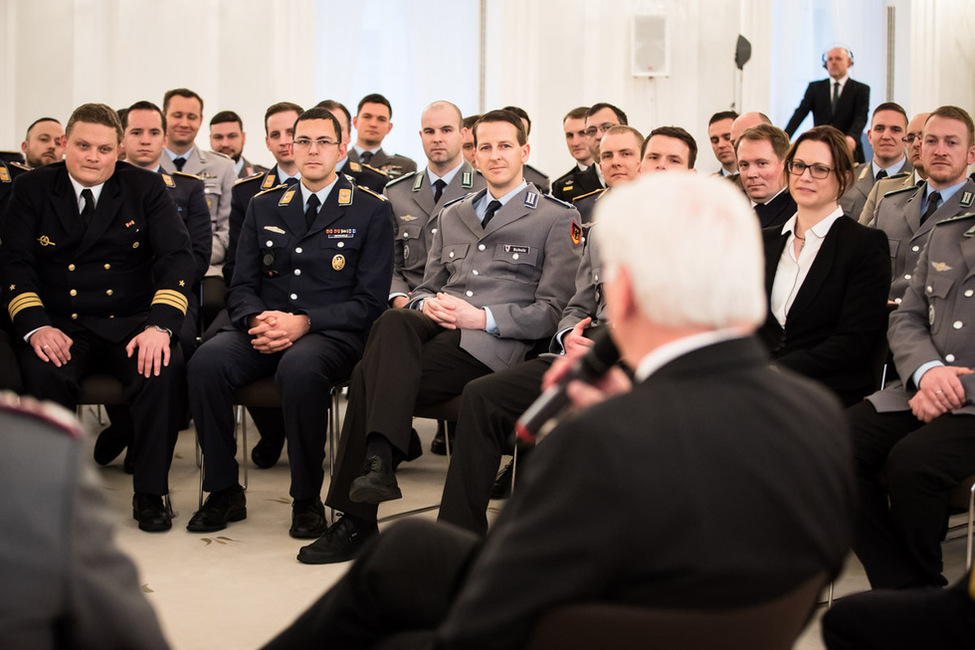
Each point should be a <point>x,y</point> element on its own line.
<point>915,129</point>
<point>746,121</point>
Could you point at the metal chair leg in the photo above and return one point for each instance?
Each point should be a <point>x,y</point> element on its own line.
<point>971,517</point>
<point>243,436</point>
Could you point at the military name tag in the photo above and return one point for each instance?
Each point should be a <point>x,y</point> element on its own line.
<point>286,199</point>
<point>338,262</point>
<point>345,196</point>
<point>511,248</point>
<point>268,182</point>
<point>467,180</point>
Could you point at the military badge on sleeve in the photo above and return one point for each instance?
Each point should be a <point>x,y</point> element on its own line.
<point>575,232</point>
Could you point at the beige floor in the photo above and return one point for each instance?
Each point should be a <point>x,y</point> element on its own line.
<point>235,589</point>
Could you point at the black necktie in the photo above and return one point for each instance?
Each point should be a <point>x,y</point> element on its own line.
<point>493,207</point>
<point>438,186</point>
<point>365,157</point>
<point>89,209</point>
<point>312,210</point>
<point>881,174</point>
<point>836,95</point>
<point>934,198</point>
<point>291,180</point>
<point>179,162</point>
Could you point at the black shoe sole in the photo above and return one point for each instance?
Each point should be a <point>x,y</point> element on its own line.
<point>373,493</point>
<point>308,534</point>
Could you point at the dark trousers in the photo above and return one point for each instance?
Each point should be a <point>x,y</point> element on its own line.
<point>401,587</point>
<point>409,361</point>
<point>904,619</point>
<point>489,408</point>
<point>915,465</point>
<point>151,401</point>
<point>303,373</point>
<point>9,368</point>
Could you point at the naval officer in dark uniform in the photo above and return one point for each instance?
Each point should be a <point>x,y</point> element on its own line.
<point>97,270</point>
<point>9,370</point>
<point>307,286</point>
<point>363,174</point>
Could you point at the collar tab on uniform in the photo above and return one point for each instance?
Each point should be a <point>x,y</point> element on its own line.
<point>418,182</point>
<point>345,196</point>
<point>966,199</point>
<point>286,199</point>
<point>531,200</point>
<point>467,180</point>
<point>268,181</point>
<point>168,180</point>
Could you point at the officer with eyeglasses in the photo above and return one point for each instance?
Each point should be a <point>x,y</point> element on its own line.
<point>313,269</point>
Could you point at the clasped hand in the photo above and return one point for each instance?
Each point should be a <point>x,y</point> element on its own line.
<point>274,331</point>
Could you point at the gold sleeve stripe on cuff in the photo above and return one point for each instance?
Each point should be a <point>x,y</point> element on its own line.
<point>181,306</point>
<point>172,298</point>
<point>23,301</point>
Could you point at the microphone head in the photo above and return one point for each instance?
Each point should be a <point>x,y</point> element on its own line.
<point>602,356</point>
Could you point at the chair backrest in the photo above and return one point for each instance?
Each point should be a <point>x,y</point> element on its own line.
<point>773,625</point>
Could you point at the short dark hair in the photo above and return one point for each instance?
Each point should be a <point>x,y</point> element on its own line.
<point>180,92</point>
<point>523,114</point>
<point>625,128</point>
<point>95,114</point>
<point>955,113</point>
<point>678,133</point>
<point>331,105</point>
<point>577,113</point>
<point>280,107</point>
<point>503,115</point>
<point>38,121</point>
<point>891,106</point>
<point>722,115</point>
<point>374,98</point>
<point>470,121</point>
<point>227,116</point>
<point>595,108</point>
<point>776,137</point>
<point>142,105</point>
<point>836,141</point>
<point>320,113</point>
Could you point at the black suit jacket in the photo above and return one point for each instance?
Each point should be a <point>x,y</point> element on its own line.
<point>852,109</point>
<point>575,183</point>
<point>777,211</point>
<point>131,266</point>
<point>839,316</point>
<point>765,465</point>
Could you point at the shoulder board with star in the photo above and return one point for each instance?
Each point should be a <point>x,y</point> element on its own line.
<point>959,217</point>
<point>252,177</point>
<point>21,166</point>
<point>399,179</point>
<point>272,189</point>
<point>582,196</point>
<point>368,191</point>
<point>378,171</point>
<point>902,190</point>
<point>187,175</point>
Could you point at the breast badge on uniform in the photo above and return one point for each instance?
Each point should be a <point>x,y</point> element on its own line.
<point>338,262</point>
<point>44,240</point>
<point>286,198</point>
<point>575,232</point>
<point>406,253</point>
<point>940,267</point>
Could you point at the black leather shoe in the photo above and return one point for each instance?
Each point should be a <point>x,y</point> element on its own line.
<point>439,443</point>
<point>377,483</point>
<point>221,506</point>
<point>307,518</point>
<point>267,451</point>
<point>340,543</point>
<point>149,511</point>
<point>111,442</point>
<point>502,484</point>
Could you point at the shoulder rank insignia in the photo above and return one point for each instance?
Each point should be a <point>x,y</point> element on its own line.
<point>286,198</point>
<point>345,196</point>
<point>575,232</point>
<point>368,191</point>
<point>248,178</point>
<point>582,196</point>
<point>966,199</point>
<point>957,217</point>
<point>418,182</point>
<point>940,267</point>
<point>168,180</point>
<point>910,188</point>
<point>4,175</point>
<point>399,179</point>
<point>354,166</point>
<point>459,198</point>
<point>467,180</point>
<point>375,169</point>
<point>559,201</point>
<point>268,181</point>
<point>271,189</point>
<point>14,163</point>
<point>188,175</point>
<point>531,200</point>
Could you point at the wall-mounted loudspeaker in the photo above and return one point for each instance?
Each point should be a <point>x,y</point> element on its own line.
<point>651,46</point>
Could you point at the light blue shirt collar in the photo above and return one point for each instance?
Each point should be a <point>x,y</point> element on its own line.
<point>946,194</point>
<point>481,205</point>
<point>893,170</point>
<point>359,151</point>
<point>322,194</point>
<point>446,178</point>
<point>186,154</point>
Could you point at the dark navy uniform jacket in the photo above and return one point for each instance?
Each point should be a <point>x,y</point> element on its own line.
<point>366,175</point>
<point>187,192</point>
<point>244,190</point>
<point>131,266</point>
<point>337,272</point>
<point>8,172</point>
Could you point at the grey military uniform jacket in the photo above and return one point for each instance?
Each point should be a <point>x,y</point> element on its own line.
<point>588,301</point>
<point>936,319</point>
<point>899,216</point>
<point>522,267</point>
<point>415,221</point>
<point>395,165</point>
<point>880,189</point>
<point>856,195</point>
<point>218,175</point>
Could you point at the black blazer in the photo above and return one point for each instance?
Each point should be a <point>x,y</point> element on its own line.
<point>852,109</point>
<point>839,316</point>
<point>777,211</point>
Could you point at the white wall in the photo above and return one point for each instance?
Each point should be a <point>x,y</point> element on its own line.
<point>544,55</point>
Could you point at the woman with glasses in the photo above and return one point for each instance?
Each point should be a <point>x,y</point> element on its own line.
<point>827,277</point>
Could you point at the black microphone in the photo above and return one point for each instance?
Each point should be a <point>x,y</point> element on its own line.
<point>602,356</point>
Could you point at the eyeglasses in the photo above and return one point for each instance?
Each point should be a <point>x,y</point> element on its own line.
<point>602,128</point>
<point>797,168</point>
<point>305,143</point>
<point>910,138</point>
